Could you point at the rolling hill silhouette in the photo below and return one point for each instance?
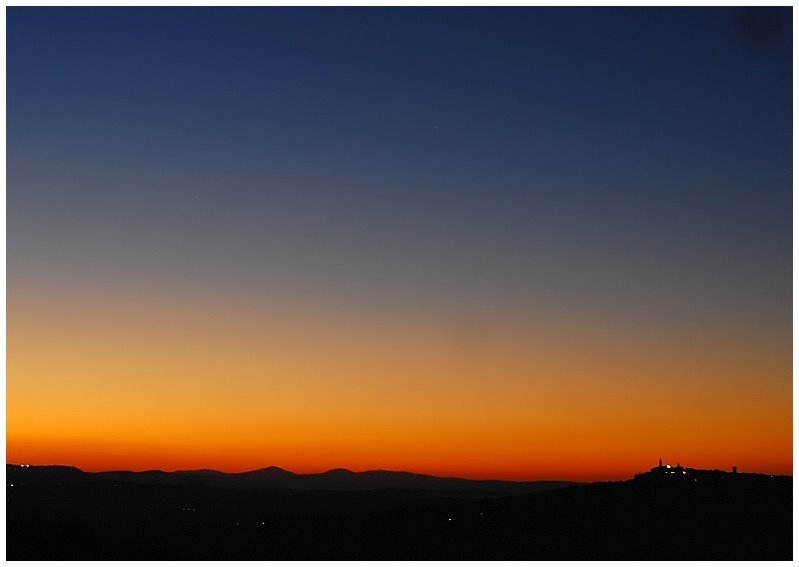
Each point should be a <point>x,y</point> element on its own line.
<point>277,479</point>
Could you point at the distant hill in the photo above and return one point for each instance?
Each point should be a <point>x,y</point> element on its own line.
<point>280,480</point>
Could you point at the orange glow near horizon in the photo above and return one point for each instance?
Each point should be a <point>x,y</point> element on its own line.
<point>131,382</point>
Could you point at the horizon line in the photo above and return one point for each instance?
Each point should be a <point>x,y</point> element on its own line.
<point>345,469</point>
<point>276,467</point>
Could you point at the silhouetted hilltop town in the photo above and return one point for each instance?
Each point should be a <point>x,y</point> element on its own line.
<point>678,473</point>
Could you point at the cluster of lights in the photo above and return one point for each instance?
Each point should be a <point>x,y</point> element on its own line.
<point>674,472</point>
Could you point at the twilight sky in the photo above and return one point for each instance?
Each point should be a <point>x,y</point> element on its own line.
<point>511,243</point>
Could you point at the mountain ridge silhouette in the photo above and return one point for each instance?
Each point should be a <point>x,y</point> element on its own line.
<point>278,479</point>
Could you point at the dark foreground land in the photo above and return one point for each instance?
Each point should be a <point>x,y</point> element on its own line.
<point>63,513</point>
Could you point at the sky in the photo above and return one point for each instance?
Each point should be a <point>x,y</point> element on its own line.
<point>517,243</point>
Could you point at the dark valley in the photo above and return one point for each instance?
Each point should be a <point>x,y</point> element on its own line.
<point>65,513</point>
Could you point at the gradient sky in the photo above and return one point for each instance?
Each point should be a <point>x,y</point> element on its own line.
<point>511,243</point>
